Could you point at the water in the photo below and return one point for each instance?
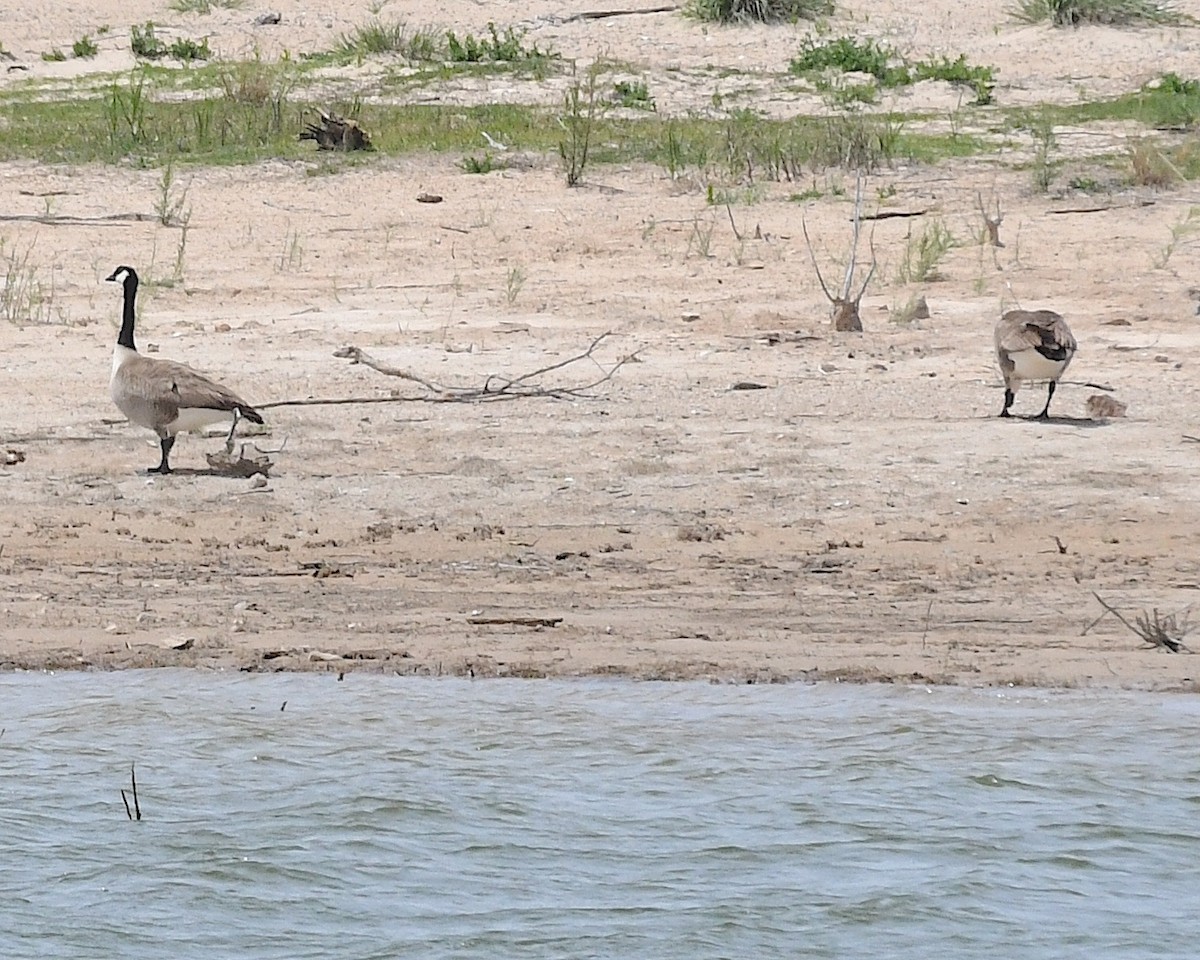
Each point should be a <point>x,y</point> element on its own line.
<point>387,817</point>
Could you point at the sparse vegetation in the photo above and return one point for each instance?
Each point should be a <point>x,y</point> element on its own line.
<point>23,298</point>
<point>851,55</point>
<point>54,56</point>
<point>761,11</point>
<point>204,6</point>
<point>506,47</point>
<point>923,254</point>
<point>1071,13</point>
<point>582,110</point>
<point>1182,230</point>
<point>485,164</point>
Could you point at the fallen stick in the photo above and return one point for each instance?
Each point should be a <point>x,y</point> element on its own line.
<point>605,14</point>
<point>516,621</point>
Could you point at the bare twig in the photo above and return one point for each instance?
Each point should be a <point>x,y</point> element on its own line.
<point>495,387</point>
<point>516,621</point>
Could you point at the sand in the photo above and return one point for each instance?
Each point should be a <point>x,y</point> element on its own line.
<point>863,516</point>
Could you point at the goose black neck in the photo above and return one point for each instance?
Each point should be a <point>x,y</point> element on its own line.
<point>125,339</point>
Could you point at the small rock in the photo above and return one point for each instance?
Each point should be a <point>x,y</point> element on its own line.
<point>268,19</point>
<point>1102,407</point>
<point>428,198</point>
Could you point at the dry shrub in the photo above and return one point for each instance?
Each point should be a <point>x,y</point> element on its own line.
<point>1151,167</point>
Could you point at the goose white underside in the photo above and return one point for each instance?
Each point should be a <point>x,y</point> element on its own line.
<point>196,418</point>
<point>1031,365</point>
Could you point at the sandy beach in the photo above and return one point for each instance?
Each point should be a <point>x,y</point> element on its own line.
<point>724,489</point>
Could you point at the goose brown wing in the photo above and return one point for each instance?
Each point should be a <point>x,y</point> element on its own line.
<point>1044,331</point>
<point>193,390</point>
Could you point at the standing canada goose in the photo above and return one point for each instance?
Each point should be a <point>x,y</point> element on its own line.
<point>1032,345</point>
<point>165,396</point>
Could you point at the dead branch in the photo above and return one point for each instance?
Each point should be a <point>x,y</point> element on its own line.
<point>895,214</point>
<point>605,14</point>
<point>1154,630</point>
<point>336,133</point>
<point>516,621</point>
<point>991,222</point>
<point>845,308</point>
<point>495,387</point>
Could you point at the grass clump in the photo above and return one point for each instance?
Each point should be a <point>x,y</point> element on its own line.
<point>375,37</point>
<point>84,48</point>
<point>757,11</point>
<point>1071,13</point>
<point>54,56</point>
<point>145,44</point>
<point>186,50</point>
<point>633,94</point>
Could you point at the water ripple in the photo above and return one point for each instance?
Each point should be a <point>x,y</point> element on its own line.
<point>388,817</point>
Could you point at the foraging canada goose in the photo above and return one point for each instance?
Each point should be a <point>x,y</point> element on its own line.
<point>165,396</point>
<point>1032,345</point>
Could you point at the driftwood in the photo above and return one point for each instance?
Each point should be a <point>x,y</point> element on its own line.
<point>337,133</point>
<point>1155,631</point>
<point>605,14</point>
<point>494,388</point>
<point>845,308</point>
<point>516,621</point>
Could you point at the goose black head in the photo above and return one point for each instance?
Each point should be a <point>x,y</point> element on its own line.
<point>122,274</point>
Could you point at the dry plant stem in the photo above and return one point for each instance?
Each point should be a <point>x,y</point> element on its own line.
<point>494,388</point>
<point>1156,632</point>
<point>136,813</point>
<point>991,223</point>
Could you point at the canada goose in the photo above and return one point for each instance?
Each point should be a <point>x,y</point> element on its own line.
<point>1032,345</point>
<point>165,396</point>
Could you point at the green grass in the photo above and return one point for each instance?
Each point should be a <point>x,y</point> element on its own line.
<point>869,56</point>
<point>1169,101</point>
<point>1067,13</point>
<point>247,111</point>
<point>760,11</point>
<point>54,56</point>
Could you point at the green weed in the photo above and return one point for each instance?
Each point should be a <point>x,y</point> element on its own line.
<point>633,94</point>
<point>54,56</point>
<point>145,44</point>
<point>84,48</point>
<point>923,254</point>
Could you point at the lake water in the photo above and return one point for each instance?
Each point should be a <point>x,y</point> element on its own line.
<point>398,817</point>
